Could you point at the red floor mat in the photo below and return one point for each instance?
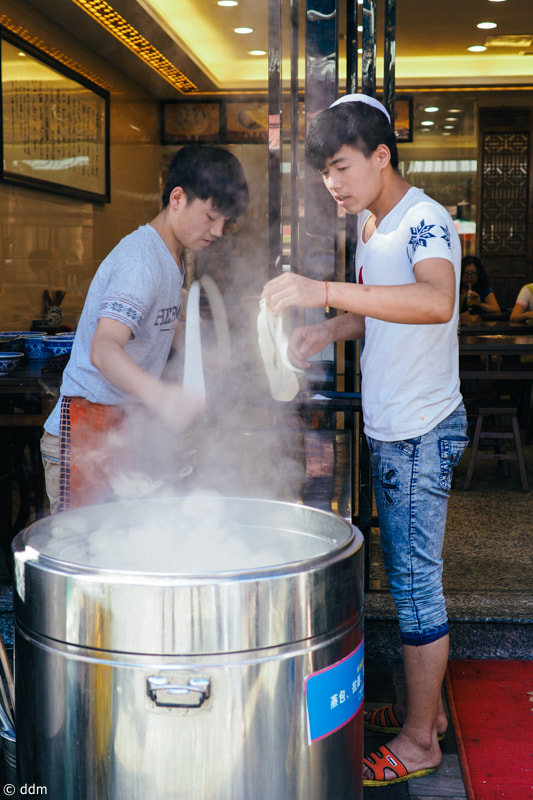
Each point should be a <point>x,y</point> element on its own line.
<point>491,706</point>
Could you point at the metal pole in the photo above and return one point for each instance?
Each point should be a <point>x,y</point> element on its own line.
<point>389,73</point>
<point>369,48</point>
<point>274,136</point>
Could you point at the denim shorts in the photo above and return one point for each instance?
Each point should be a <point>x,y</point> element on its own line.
<point>412,481</point>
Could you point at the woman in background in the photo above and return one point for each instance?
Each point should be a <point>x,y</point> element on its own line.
<point>476,295</point>
<point>523,308</point>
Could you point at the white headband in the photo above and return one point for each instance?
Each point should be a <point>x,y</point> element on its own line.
<point>362,98</point>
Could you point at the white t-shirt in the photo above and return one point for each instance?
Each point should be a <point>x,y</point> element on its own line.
<point>410,373</point>
<point>525,297</point>
<point>139,284</point>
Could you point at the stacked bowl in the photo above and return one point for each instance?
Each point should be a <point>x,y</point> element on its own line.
<point>59,344</point>
<point>8,361</point>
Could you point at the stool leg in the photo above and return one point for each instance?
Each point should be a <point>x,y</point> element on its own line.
<point>520,454</point>
<point>473,453</point>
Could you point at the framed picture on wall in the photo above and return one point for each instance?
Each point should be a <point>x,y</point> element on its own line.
<point>191,122</point>
<point>403,118</point>
<point>55,124</point>
<point>246,122</point>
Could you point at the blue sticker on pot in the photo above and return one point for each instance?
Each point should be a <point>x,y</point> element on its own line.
<point>334,695</point>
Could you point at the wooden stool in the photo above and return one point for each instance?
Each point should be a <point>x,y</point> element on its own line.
<point>497,411</point>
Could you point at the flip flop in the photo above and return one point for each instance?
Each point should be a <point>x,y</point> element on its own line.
<point>384,759</point>
<point>384,720</point>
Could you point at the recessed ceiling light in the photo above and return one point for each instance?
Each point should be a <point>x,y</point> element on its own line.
<point>451,119</point>
<point>486,26</point>
<point>257,52</point>
<point>497,1</point>
<point>243,30</point>
<point>431,109</point>
<point>227,3</point>
<point>449,127</point>
<point>455,110</point>
<point>427,123</point>
<point>477,48</point>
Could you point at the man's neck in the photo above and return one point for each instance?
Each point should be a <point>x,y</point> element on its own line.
<point>164,229</point>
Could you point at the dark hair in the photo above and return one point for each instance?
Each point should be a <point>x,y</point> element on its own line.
<point>356,124</point>
<point>208,172</point>
<point>482,283</point>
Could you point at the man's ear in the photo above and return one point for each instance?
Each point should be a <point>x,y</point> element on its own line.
<point>177,197</point>
<point>383,155</point>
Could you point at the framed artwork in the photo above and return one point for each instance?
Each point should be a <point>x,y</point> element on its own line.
<point>403,118</point>
<point>246,122</point>
<point>191,122</point>
<point>55,124</point>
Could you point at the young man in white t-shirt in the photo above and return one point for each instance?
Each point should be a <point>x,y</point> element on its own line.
<point>405,306</point>
<point>127,329</point>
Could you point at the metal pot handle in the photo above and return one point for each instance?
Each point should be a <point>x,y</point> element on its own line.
<point>190,695</point>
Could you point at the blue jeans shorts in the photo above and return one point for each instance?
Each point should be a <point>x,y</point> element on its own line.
<point>412,481</point>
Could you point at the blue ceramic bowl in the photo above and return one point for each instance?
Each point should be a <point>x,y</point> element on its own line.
<point>35,348</point>
<point>12,341</point>
<point>58,345</point>
<point>8,361</point>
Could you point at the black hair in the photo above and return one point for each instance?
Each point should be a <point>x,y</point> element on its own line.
<point>482,283</point>
<point>356,124</point>
<point>208,172</point>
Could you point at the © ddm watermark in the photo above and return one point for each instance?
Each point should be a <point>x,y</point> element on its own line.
<point>27,789</point>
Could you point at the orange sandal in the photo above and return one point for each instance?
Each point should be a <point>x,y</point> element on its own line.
<point>384,720</point>
<point>384,759</point>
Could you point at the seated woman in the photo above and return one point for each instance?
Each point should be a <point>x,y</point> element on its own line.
<point>523,307</point>
<point>476,296</point>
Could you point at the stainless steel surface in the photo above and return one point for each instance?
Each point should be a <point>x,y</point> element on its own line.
<point>135,684</point>
<point>101,562</point>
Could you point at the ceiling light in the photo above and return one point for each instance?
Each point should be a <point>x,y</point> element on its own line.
<point>227,3</point>
<point>477,48</point>
<point>486,26</point>
<point>497,1</point>
<point>449,127</point>
<point>450,119</point>
<point>257,52</point>
<point>243,30</point>
<point>455,110</point>
<point>431,109</point>
<point>427,123</point>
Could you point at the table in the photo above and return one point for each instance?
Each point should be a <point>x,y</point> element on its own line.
<point>494,352</point>
<point>26,398</point>
<point>494,329</point>
<point>496,345</point>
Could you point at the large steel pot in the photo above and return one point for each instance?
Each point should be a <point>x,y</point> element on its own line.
<point>206,650</point>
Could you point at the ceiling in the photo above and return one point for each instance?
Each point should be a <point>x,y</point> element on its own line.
<point>197,36</point>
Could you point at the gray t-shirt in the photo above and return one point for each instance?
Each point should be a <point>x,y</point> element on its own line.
<point>139,284</point>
